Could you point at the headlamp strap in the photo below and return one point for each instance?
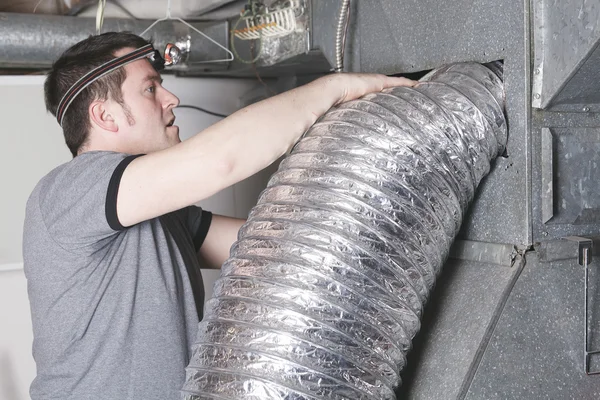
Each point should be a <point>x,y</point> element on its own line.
<point>97,73</point>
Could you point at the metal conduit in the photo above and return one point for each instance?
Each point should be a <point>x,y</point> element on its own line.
<point>326,285</point>
<point>340,35</point>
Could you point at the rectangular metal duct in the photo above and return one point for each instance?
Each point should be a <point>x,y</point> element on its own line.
<point>566,55</point>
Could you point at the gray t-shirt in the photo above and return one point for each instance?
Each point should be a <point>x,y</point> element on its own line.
<point>115,310</point>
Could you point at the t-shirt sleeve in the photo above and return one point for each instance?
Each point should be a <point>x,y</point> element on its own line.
<point>198,222</point>
<point>78,201</point>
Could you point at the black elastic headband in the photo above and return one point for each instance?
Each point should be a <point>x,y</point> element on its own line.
<point>97,73</point>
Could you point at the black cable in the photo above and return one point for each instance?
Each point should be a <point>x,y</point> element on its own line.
<point>202,110</point>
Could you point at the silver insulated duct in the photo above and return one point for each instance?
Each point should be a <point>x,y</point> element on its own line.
<point>326,285</point>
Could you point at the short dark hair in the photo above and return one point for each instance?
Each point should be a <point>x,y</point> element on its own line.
<point>77,61</point>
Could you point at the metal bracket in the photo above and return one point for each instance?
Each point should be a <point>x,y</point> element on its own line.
<point>585,258</point>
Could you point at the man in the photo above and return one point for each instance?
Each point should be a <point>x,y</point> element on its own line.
<point>111,239</point>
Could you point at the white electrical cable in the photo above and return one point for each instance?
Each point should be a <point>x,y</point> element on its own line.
<point>100,16</point>
<point>168,8</point>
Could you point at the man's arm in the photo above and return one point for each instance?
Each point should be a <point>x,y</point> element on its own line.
<point>219,239</point>
<point>235,148</point>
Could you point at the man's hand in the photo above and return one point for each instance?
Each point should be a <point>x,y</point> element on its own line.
<point>353,86</point>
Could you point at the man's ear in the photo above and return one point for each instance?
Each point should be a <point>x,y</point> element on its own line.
<point>101,116</point>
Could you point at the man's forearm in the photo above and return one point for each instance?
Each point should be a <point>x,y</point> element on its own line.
<point>221,236</point>
<point>255,136</point>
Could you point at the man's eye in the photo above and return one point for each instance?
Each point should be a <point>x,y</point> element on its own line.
<point>151,89</point>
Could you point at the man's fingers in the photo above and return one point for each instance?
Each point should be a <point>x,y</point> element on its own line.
<point>357,85</point>
<point>398,81</point>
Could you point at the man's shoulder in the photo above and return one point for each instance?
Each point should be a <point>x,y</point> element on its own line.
<point>85,164</point>
<point>48,180</point>
<point>91,159</point>
<point>74,177</point>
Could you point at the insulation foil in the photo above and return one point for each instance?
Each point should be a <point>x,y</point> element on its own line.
<point>325,287</point>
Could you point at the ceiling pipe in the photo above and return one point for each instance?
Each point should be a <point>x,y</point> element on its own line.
<point>31,41</point>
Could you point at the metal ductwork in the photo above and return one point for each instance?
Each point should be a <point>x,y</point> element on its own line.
<point>25,47</point>
<point>34,41</point>
<point>326,285</point>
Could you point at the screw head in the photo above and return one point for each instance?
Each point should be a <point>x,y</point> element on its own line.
<point>537,71</point>
<point>586,109</point>
<point>537,95</point>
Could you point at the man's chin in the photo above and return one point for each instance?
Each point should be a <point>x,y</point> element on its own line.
<point>173,135</point>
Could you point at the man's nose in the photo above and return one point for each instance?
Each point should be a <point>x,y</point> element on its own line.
<point>170,100</point>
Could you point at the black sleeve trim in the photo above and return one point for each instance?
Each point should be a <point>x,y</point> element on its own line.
<point>113,191</point>
<point>202,231</point>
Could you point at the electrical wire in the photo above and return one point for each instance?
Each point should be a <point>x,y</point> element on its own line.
<point>100,16</point>
<point>37,5</point>
<point>202,110</point>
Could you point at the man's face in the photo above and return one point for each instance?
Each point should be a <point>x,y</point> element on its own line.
<point>146,121</point>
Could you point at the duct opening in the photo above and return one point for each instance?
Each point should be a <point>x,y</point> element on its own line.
<point>497,67</point>
<point>415,76</point>
<point>326,285</point>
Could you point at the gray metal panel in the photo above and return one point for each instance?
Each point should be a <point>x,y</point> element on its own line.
<point>547,175</point>
<point>454,326</point>
<point>501,211</point>
<point>324,21</point>
<point>536,351</point>
<point>302,53</point>
<point>312,63</point>
<point>560,250</point>
<point>566,37</point>
<point>403,36</point>
<point>576,175</point>
<point>566,194</point>
<point>582,91</point>
<point>414,35</point>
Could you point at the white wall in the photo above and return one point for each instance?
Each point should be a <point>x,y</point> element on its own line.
<point>32,144</point>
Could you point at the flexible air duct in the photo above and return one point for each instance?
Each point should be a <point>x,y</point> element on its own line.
<point>326,285</point>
